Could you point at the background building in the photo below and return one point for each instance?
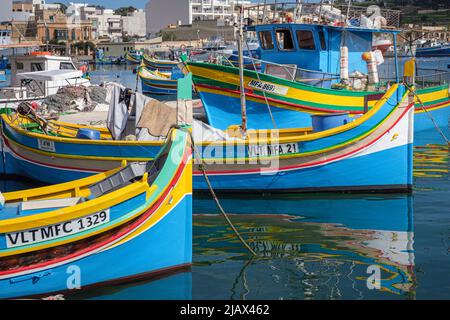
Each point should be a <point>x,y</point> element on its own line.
<point>134,24</point>
<point>6,11</point>
<point>161,13</point>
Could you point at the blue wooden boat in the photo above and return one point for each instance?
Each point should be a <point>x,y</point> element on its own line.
<point>371,152</point>
<point>152,63</point>
<point>301,72</point>
<point>156,82</point>
<point>441,50</point>
<point>128,223</point>
<point>133,57</point>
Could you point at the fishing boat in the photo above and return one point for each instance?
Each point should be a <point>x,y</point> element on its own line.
<point>430,49</point>
<point>39,75</point>
<point>302,75</point>
<point>377,146</point>
<point>57,238</point>
<point>159,64</point>
<point>156,82</point>
<point>101,59</point>
<point>62,152</point>
<point>133,57</point>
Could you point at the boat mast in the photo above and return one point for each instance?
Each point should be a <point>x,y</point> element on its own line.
<point>241,70</point>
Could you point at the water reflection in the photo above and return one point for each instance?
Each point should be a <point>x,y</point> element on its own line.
<point>310,247</point>
<point>177,286</point>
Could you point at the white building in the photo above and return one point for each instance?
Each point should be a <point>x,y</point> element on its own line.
<point>134,24</point>
<point>73,10</point>
<point>6,11</point>
<point>161,13</point>
<point>105,24</point>
<point>109,24</point>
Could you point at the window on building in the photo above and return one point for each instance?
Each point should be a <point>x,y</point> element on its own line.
<point>61,34</point>
<point>19,65</point>
<point>74,36</point>
<point>37,67</point>
<point>305,40</point>
<point>284,39</point>
<point>265,37</point>
<point>66,66</point>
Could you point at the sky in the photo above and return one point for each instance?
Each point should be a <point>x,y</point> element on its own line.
<point>112,4</point>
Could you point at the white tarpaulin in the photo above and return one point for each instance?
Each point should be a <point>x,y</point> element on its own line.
<point>51,75</point>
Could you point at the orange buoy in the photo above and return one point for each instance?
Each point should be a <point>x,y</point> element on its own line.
<point>366,56</point>
<point>41,53</point>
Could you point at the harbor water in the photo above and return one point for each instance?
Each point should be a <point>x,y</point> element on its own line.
<point>312,246</point>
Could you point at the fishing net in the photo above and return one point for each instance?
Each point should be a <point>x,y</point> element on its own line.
<point>76,98</point>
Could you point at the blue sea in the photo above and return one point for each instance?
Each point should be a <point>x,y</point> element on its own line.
<point>313,246</point>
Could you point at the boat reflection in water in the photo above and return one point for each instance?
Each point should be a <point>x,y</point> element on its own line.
<point>316,247</point>
<point>177,286</point>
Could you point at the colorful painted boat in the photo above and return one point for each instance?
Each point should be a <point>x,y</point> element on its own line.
<point>315,59</point>
<point>373,152</point>
<point>133,57</point>
<point>442,50</point>
<point>57,238</point>
<point>61,156</point>
<point>290,104</point>
<point>159,64</point>
<point>156,82</point>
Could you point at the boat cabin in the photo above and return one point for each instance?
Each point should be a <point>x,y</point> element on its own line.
<point>308,37</point>
<point>27,81</point>
<point>315,47</point>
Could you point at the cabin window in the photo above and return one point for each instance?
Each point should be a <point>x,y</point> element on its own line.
<point>305,40</point>
<point>284,39</point>
<point>66,66</point>
<point>37,67</point>
<point>323,44</point>
<point>266,40</point>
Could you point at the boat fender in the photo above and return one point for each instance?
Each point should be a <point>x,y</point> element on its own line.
<point>88,134</point>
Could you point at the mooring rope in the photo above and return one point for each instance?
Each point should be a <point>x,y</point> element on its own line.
<point>213,193</point>
<point>428,114</point>
<point>259,79</point>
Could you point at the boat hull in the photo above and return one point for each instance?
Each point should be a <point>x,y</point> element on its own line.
<point>441,51</point>
<point>290,104</point>
<point>159,65</point>
<point>70,245</point>
<point>375,155</point>
<point>159,86</point>
<point>151,253</point>
<point>61,161</point>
